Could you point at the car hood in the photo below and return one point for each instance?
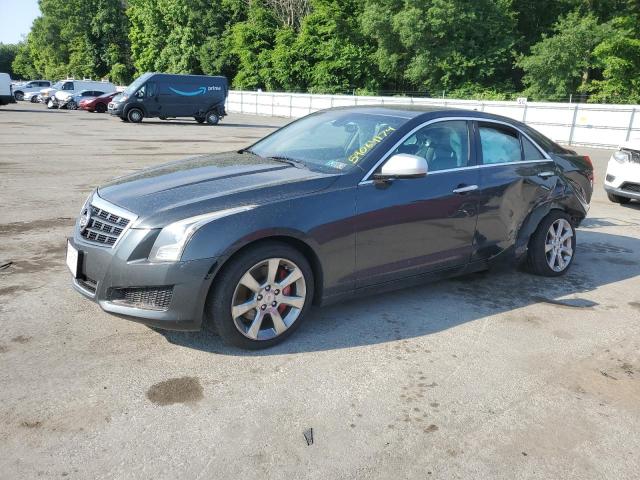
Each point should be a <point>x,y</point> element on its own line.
<point>208,183</point>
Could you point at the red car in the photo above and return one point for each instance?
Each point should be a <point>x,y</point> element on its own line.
<point>97,104</point>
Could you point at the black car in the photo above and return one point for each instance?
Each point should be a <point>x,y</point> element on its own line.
<point>166,95</point>
<point>341,202</point>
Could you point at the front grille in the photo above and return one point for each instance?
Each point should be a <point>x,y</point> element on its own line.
<point>104,228</point>
<point>634,155</point>
<point>152,298</point>
<point>631,187</point>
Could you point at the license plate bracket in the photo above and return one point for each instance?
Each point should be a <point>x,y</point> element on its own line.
<point>74,259</point>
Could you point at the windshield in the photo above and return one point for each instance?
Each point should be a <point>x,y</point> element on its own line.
<point>57,85</point>
<point>131,89</point>
<point>335,140</point>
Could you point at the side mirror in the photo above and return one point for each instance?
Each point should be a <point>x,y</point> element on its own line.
<point>403,165</point>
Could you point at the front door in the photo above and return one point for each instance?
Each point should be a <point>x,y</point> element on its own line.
<point>412,226</point>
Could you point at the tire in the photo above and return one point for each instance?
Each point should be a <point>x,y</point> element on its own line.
<point>253,264</point>
<point>135,115</point>
<point>200,119</point>
<point>34,99</point>
<point>71,105</point>
<point>618,199</point>
<point>101,108</point>
<point>545,251</point>
<point>212,117</point>
<point>19,96</point>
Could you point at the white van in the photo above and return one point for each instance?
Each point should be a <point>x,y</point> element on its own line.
<point>6,89</point>
<point>70,86</point>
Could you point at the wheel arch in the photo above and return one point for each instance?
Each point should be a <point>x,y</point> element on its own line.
<point>537,215</point>
<point>294,241</point>
<point>128,108</point>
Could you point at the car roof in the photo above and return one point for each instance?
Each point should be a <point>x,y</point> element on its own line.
<point>426,111</point>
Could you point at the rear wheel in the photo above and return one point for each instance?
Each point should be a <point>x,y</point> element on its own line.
<point>212,118</point>
<point>261,296</point>
<point>101,108</point>
<point>618,199</point>
<point>135,115</point>
<point>552,246</point>
<point>34,99</point>
<point>19,96</point>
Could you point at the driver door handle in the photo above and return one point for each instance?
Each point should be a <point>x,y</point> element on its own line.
<point>546,174</point>
<point>465,188</point>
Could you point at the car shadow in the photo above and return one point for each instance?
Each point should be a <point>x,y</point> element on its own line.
<point>601,259</point>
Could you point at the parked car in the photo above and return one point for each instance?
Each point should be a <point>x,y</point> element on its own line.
<point>32,97</point>
<point>341,202</point>
<point>169,96</point>
<point>34,86</point>
<point>98,104</point>
<point>72,102</point>
<point>622,181</point>
<point>69,87</point>
<point>6,89</point>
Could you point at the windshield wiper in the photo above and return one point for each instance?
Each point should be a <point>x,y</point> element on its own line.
<point>290,161</point>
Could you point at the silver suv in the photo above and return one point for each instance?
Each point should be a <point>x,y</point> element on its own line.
<point>34,86</point>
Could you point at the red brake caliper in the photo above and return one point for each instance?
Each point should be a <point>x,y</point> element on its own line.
<point>282,274</point>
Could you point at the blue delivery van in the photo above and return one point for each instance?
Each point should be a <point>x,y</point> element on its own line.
<point>167,95</point>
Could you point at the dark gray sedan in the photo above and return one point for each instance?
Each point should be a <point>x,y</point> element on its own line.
<point>339,203</point>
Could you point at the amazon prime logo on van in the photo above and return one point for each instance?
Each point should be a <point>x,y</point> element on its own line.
<point>199,91</point>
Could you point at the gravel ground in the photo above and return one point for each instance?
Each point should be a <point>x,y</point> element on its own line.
<point>497,375</point>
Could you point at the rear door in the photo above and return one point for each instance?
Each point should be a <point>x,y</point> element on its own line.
<point>515,177</point>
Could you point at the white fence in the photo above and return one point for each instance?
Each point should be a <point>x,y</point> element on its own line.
<point>568,123</point>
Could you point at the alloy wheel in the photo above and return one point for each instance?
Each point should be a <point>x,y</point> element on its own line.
<point>558,245</point>
<point>268,299</point>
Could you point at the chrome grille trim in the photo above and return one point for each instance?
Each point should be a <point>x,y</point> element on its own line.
<point>108,223</point>
<point>634,155</point>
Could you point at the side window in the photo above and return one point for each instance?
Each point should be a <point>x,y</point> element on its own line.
<point>152,89</point>
<point>67,86</point>
<point>140,92</point>
<point>499,144</point>
<point>444,145</point>
<point>45,84</point>
<point>30,85</point>
<point>531,152</point>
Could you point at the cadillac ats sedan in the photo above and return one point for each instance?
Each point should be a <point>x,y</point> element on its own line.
<point>339,203</point>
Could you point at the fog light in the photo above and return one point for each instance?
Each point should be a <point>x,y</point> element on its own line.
<point>610,178</point>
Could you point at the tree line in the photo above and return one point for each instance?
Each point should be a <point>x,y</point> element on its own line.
<point>492,49</point>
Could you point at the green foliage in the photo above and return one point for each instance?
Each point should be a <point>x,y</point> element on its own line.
<point>486,49</point>
<point>8,53</point>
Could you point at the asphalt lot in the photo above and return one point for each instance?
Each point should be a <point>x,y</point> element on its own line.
<point>498,375</point>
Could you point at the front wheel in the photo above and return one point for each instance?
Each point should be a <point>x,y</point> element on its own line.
<point>71,105</point>
<point>261,296</point>
<point>135,115</point>
<point>552,246</point>
<point>618,199</point>
<point>34,99</point>
<point>101,108</point>
<point>19,96</point>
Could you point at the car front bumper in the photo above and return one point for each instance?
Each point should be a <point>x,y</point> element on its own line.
<point>169,295</point>
<point>621,179</point>
<point>115,109</point>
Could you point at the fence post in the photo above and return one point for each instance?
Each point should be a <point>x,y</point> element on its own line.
<point>331,101</point>
<point>290,106</point>
<point>310,102</point>
<point>633,114</point>
<point>241,102</point>
<point>573,123</point>
<point>257,97</point>
<point>524,114</point>
<point>273,97</point>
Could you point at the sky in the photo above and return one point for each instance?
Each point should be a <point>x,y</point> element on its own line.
<point>16,17</point>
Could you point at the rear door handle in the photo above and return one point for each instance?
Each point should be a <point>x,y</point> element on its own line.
<point>465,189</point>
<point>546,174</point>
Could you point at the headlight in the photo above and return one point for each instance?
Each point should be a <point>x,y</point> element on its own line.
<point>621,156</point>
<point>172,239</point>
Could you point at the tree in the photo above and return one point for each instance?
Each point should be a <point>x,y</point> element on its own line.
<point>562,64</point>
<point>8,53</point>
<point>442,44</point>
